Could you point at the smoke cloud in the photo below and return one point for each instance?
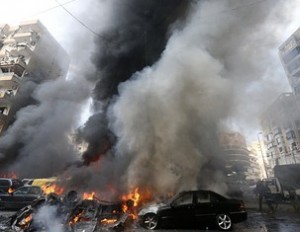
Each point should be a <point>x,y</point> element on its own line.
<point>169,76</point>
<point>217,72</point>
<point>37,143</point>
<point>47,215</point>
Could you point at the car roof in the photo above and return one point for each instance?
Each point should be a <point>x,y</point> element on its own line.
<point>196,191</point>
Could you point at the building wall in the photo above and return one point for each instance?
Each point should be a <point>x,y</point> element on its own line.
<point>281,130</point>
<point>241,164</point>
<point>26,51</point>
<point>289,53</point>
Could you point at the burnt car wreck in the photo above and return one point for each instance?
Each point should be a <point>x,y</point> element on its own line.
<point>74,214</point>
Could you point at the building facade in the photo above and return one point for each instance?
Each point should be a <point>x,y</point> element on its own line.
<point>241,163</point>
<point>26,51</point>
<point>281,130</point>
<point>289,53</point>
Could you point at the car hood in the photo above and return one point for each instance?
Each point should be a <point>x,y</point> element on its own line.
<point>153,208</point>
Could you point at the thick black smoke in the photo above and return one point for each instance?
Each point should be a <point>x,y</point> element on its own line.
<point>136,39</point>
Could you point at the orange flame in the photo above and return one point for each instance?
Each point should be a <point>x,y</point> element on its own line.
<point>52,188</point>
<point>76,218</point>
<point>10,190</point>
<point>25,221</point>
<point>88,196</point>
<point>131,201</point>
<point>134,196</point>
<point>108,221</point>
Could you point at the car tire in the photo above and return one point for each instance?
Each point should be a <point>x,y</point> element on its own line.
<point>150,221</point>
<point>223,222</point>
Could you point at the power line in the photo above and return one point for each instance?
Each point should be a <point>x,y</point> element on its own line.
<point>52,8</point>
<point>79,21</point>
<point>101,36</point>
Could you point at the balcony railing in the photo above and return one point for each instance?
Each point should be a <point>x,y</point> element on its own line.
<point>9,76</point>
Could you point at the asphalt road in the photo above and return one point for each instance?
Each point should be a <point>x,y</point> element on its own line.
<point>281,221</point>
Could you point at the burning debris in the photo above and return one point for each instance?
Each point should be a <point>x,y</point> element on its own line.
<point>70,212</point>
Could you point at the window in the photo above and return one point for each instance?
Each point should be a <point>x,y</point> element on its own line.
<point>21,191</point>
<point>34,190</point>
<point>5,70</point>
<point>294,65</point>
<point>186,199</point>
<point>203,197</point>
<point>293,146</point>
<point>291,55</point>
<point>278,140</point>
<point>3,110</point>
<point>4,183</point>
<point>290,135</point>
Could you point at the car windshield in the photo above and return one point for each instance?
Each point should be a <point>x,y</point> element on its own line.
<point>4,183</point>
<point>23,190</point>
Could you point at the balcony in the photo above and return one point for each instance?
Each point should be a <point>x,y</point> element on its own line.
<point>9,80</point>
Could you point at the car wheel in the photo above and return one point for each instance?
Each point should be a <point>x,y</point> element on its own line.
<point>150,221</point>
<point>223,221</point>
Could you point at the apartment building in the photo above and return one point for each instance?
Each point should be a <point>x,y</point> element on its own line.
<point>289,53</point>
<point>27,52</point>
<point>281,130</point>
<point>241,163</point>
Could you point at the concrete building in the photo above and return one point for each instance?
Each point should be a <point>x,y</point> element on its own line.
<point>260,166</point>
<point>289,53</point>
<point>281,130</point>
<point>241,163</point>
<point>27,51</point>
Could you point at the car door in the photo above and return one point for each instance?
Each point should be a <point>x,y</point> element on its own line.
<point>182,210</point>
<point>32,193</point>
<point>205,208</point>
<point>16,199</point>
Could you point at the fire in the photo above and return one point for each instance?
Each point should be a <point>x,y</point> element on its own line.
<point>108,221</point>
<point>76,218</point>
<point>131,201</point>
<point>134,197</point>
<point>10,190</point>
<point>52,188</point>
<point>88,196</point>
<point>26,220</point>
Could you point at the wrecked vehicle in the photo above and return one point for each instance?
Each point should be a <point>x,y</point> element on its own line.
<point>99,215</point>
<point>9,184</point>
<point>20,198</point>
<point>74,214</point>
<point>194,208</point>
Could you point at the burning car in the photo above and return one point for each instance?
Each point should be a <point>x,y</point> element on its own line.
<point>9,184</point>
<point>194,208</point>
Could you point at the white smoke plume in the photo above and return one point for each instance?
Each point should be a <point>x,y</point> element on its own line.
<point>48,218</point>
